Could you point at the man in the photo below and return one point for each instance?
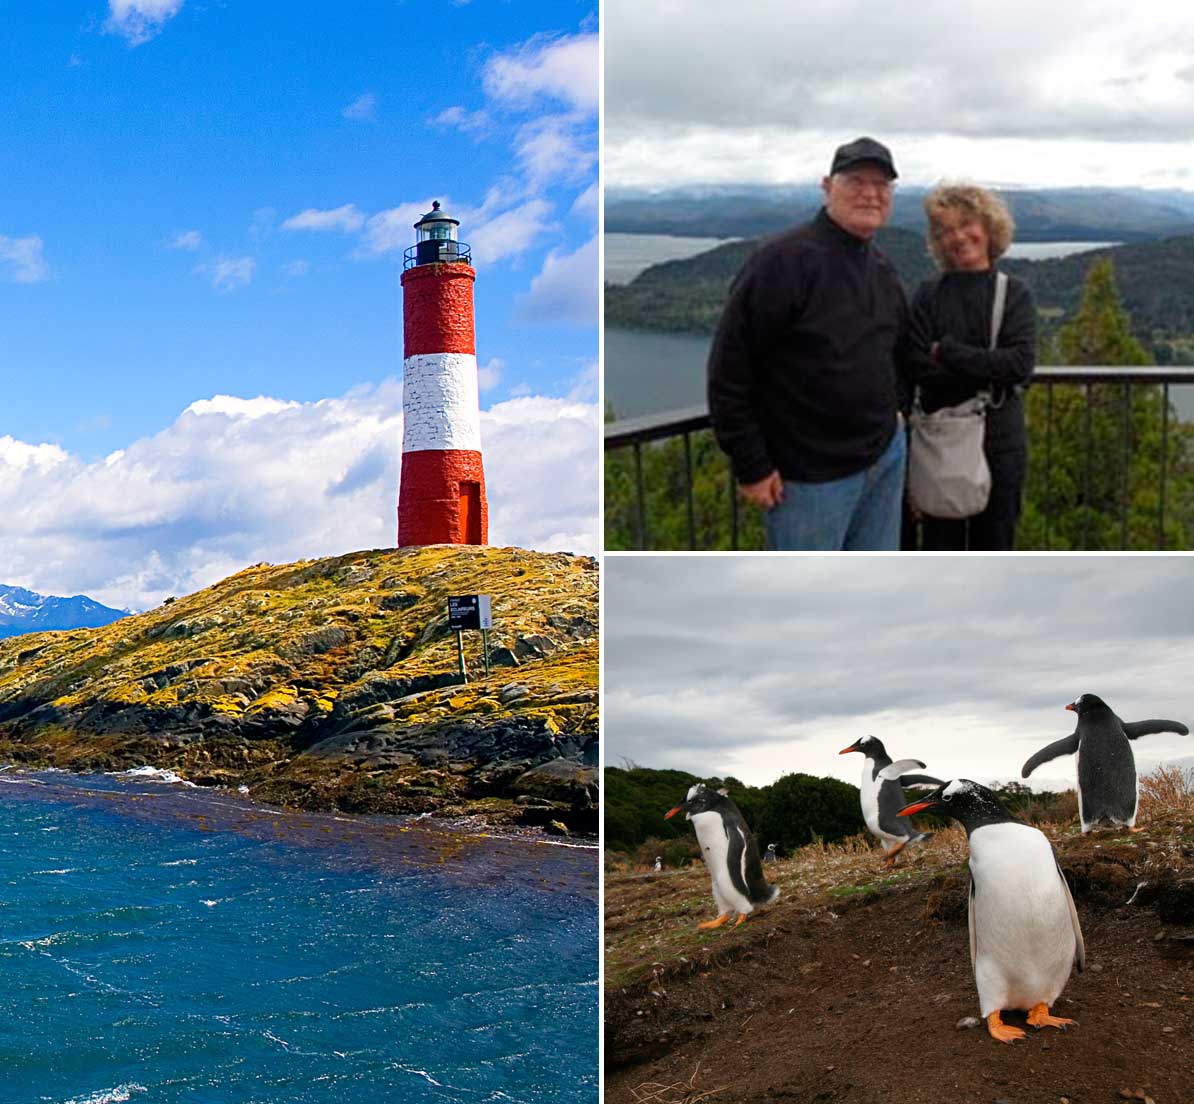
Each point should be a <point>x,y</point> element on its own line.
<point>802,378</point>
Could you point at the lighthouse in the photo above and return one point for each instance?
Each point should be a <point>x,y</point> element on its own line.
<point>441,497</point>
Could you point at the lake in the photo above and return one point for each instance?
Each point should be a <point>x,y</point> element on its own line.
<point>175,944</point>
<point>626,255</point>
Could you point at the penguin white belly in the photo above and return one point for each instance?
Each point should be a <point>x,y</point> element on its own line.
<point>1024,941</point>
<point>711,835</point>
<point>869,799</point>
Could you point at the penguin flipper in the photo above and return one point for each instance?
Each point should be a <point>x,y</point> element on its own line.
<point>1133,730</point>
<point>1066,746</point>
<point>920,780</point>
<point>892,772</point>
<point>970,922</point>
<point>1079,945</point>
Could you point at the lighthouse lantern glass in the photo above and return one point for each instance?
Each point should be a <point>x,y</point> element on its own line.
<point>437,231</point>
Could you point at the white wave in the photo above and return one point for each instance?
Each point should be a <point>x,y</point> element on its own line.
<point>181,862</point>
<point>209,904</point>
<point>153,774</point>
<point>64,870</point>
<point>117,1095</point>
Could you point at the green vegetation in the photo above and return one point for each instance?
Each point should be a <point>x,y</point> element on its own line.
<point>792,811</point>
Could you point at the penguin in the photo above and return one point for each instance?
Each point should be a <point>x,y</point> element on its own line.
<point>881,795</point>
<point>1024,931</point>
<point>658,863</point>
<point>769,855</point>
<point>730,853</point>
<point>1108,789</point>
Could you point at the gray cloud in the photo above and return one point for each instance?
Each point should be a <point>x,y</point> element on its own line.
<point>692,77</point>
<point>759,666</point>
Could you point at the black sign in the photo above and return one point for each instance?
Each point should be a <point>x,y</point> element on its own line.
<point>469,611</point>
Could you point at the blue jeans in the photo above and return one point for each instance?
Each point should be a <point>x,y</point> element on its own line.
<point>860,513</point>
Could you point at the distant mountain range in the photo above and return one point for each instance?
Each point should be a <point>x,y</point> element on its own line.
<point>1062,214</point>
<point>24,611</point>
<point>1155,279</point>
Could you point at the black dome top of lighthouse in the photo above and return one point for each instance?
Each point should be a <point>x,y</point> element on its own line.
<point>435,215</point>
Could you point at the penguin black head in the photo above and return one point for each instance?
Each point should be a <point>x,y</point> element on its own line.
<point>700,799</point>
<point>965,801</point>
<point>868,745</point>
<point>1086,703</point>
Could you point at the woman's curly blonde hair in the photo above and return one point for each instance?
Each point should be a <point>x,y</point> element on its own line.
<point>972,200</point>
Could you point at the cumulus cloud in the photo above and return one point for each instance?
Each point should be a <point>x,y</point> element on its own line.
<point>551,150</point>
<point>564,69</point>
<point>187,239</point>
<point>489,374</point>
<point>138,21</point>
<point>346,218</point>
<point>229,273</point>
<point>236,480</point>
<point>565,291</point>
<point>460,119</point>
<point>586,203</point>
<point>21,259</point>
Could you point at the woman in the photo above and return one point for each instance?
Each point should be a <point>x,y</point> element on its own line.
<point>969,229</point>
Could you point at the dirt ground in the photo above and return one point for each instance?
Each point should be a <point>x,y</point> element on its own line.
<point>851,987</point>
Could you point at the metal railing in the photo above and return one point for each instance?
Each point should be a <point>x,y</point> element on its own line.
<point>437,251</point>
<point>635,434</point>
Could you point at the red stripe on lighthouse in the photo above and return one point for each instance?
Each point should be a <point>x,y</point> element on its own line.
<point>437,314</point>
<point>441,498</point>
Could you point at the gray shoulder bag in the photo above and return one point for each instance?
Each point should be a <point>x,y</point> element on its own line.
<point>948,476</point>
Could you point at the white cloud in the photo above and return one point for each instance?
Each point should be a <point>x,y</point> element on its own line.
<point>489,374</point>
<point>229,273</point>
<point>346,218</point>
<point>585,204</point>
<point>233,481</point>
<point>363,107</point>
<point>187,239</point>
<point>565,291</point>
<point>564,69</point>
<point>551,150</point>
<point>467,121</point>
<point>139,20</point>
<point>23,260</point>
<point>511,232</point>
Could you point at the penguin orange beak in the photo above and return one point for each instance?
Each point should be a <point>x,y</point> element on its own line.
<point>916,807</point>
<point>1071,707</point>
<point>672,812</point>
<point>846,751</point>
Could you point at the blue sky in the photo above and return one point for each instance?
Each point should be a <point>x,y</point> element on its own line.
<point>204,213</point>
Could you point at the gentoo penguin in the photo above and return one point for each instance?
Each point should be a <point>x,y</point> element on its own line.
<point>1107,785</point>
<point>658,863</point>
<point>882,797</point>
<point>769,855</point>
<point>730,852</point>
<point>1024,933</point>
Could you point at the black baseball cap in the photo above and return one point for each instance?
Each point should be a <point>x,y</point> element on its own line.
<point>862,150</point>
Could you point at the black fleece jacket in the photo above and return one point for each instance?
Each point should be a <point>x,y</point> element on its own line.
<point>802,374</point>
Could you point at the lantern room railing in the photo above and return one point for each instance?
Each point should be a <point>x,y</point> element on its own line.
<point>437,251</point>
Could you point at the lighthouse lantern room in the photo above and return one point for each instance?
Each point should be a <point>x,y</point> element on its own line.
<point>441,497</point>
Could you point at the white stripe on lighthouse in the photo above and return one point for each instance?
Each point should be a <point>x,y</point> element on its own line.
<point>439,402</point>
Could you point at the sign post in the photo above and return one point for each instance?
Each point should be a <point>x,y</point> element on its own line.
<point>470,611</point>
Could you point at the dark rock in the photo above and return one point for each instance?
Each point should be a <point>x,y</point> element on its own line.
<point>563,780</point>
<point>534,646</point>
<point>404,599</point>
<point>315,643</point>
<point>502,657</point>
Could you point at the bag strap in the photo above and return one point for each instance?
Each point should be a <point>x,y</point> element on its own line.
<point>997,306</point>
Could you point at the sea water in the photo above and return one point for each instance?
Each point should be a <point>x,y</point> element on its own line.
<point>164,943</point>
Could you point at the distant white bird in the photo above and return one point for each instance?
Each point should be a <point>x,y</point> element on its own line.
<point>658,863</point>
<point>770,854</point>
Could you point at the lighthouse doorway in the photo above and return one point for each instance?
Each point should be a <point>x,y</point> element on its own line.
<point>470,513</point>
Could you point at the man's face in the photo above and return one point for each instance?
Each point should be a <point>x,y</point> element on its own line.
<point>859,199</point>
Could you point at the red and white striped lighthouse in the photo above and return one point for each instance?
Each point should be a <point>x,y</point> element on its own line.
<point>441,498</point>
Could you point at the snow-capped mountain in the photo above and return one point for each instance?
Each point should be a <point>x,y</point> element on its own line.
<point>24,611</point>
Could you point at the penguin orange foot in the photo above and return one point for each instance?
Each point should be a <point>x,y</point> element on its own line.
<point>741,919</point>
<point>715,923</point>
<point>1001,1032</point>
<point>891,855</point>
<point>1038,1016</point>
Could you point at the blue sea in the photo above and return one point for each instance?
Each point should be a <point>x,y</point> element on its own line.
<point>162,943</point>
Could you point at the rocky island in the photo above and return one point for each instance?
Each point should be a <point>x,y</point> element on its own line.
<point>334,684</point>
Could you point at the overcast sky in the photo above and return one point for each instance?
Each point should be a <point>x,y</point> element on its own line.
<point>760,666</point>
<point>1075,92</point>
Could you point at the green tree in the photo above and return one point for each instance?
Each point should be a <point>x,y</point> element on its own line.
<point>1095,475</point>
